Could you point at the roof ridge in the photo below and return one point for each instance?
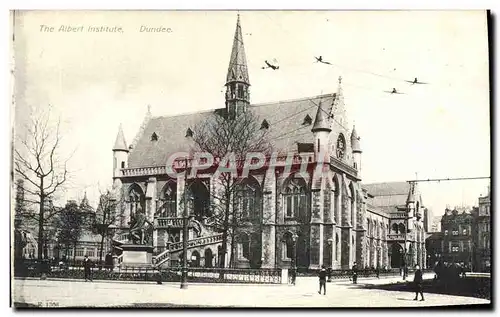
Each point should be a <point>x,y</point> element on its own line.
<point>251,105</point>
<point>290,100</point>
<point>187,113</point>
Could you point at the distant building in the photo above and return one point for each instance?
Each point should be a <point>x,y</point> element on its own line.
<point>398,209</point>
<point>435,224</point>
<point>482,234</point>
<point>433,245</point>
<point>88,244</point>
<point>464,237</point>
<point>456,227</point>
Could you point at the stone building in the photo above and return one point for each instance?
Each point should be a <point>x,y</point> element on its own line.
<point>482,234</point>
<point>457,236</point>
<point>398,213</point>
<point>302,219</point>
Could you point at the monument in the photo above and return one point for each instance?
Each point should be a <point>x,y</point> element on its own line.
<point>138,253</point>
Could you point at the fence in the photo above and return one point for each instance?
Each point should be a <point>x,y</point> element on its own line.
<point>198,275</point>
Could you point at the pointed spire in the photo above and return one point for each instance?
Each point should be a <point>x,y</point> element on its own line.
<point>238,70</point>
<point>411,194</point>
<point>321,122</point>
<point>355,141</point>
<point>84,204</point>
<point>120,144</point>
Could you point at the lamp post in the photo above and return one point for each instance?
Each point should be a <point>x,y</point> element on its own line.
<point>330,259</point>
<point>185,233</point>
<point>294,265</point>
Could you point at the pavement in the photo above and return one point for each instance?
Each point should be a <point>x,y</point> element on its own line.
<point>340,293</point>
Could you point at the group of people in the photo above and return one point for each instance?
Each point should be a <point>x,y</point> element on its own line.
<point>449,271</point>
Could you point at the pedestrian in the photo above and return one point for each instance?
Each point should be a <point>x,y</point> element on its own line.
<point>322,280</point>
<point>87,268</point>
<point>355,273</point>
<point>108,262</point>
<point>418,282</point>
<point>378,271</point>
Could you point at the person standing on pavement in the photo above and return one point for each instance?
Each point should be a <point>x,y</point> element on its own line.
<point>322,280</point>
<point>355,273</point>
<point>87,268</point>
<point>418,281</point>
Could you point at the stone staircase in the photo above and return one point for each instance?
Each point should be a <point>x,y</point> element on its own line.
<point>163,257</point>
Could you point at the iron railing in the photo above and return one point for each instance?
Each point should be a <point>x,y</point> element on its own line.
<point>198,275</point>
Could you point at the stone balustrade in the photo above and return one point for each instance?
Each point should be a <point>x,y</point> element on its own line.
<point>177,246</point>
<point>395,236</point>
<point>164,222</point>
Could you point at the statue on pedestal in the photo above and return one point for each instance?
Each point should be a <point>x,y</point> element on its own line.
<point>140,228</point>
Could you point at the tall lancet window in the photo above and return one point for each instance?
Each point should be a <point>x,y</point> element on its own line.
<point>247,199</point>
<point>295,198</point>
<point>168,201</point>
<point>136,199</point>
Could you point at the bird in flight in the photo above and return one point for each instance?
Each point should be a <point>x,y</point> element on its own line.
<point>393,91</point>
<point>269,65</point>
<point>415,81</point>
<point>320,59</point>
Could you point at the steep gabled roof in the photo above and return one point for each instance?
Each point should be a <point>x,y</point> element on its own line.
<point>285,120</point>
<point>390,194</point>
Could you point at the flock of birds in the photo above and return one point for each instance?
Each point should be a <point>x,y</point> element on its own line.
<point>274,66</point>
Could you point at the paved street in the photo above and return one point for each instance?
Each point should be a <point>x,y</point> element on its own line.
<point>51,293</point>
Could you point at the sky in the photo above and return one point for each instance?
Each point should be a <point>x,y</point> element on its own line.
<point>96,81</point>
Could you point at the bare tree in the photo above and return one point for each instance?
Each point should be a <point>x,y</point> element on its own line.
<point>107,216</point>
<point>221,137</point>
<point>37,163</point>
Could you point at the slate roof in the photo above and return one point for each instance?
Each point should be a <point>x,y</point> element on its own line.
<point>390,194</point>
<point>286,129</point>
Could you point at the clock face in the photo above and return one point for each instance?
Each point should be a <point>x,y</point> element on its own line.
<point>340,146</point>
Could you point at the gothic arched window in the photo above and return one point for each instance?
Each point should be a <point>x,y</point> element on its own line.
<point>336,195</point>
<point>295,198</point>
<point>402,228</point>
<point>395,228</point>
<point>136,199</point>
<point>247,196</point>
<point>168,201</point>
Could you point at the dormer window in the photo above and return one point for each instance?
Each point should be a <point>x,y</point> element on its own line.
<point>154,137</point>
<point>189,133</point>
<point>264,125</point>
<point>307,120</point>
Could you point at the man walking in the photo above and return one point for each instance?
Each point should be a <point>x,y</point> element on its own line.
<point>322,280</point>
<point>87,268</point>
<point>418,282</point>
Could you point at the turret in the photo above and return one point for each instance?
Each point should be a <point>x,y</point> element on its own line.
<point>237,80</point>
<point>321,131</point>
<point>410,206</point>
<point>120,153</point>
<point>356,150</point>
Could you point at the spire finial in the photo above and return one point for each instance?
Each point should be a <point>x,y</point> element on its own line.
<point>149,108</point>
<point>340,80</point>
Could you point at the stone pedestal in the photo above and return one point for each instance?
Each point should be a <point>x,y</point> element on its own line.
<point>135,255</point>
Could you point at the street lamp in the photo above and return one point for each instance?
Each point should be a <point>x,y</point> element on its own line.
<point>330,258</point>
<point>185,231</point>
<point>294,265</point>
